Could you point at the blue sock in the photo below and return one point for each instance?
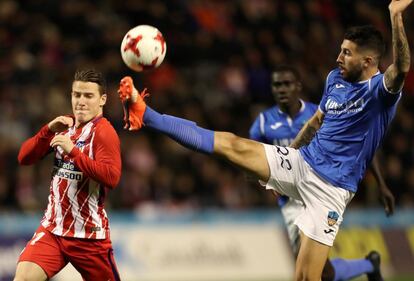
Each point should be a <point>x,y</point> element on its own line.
<point>347,269</point>
<point>183,131</point>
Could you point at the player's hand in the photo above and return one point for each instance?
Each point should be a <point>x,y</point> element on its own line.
<point>62,141</point>
<point>60,124</point>
<point>398,6</point>
<point>387,200</point>
<point>133,104</point>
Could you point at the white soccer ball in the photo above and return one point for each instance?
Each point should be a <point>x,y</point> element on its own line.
<point>143,48</point>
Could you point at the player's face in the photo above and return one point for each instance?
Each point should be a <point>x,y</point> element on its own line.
<point>87,103</point>
<point>350,61</point>
<point>285,88</point>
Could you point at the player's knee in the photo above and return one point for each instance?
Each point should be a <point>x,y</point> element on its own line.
<point>27,276</point>
<point>302,276</point>
<point>306,278</point>
<point>307,275</point>
<point>20,277</point>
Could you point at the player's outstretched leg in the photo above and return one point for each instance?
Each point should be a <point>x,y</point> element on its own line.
<point>138,114</point>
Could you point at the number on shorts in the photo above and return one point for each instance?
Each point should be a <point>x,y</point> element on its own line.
<point>282,150</point>
<point>284,162</point>
<point>36,237</point>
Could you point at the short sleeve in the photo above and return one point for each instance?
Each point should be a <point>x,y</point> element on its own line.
<point>256,130</point>
<point>377,86</point>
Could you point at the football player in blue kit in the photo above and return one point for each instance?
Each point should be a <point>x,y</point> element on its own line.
<point>279,125</point>
<point>329,156</point>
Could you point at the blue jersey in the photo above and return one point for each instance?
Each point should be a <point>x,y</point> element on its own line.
<point>356,118</point>
<point>273,126</point>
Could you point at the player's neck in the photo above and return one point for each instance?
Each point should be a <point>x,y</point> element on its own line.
<point>366,75</point>
<point>291,109</point>
<point>80,124</point>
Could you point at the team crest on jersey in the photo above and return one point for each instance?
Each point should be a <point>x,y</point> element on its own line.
<point>79,144</point>
<point>332,218</point>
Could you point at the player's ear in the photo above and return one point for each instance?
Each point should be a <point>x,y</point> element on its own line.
<point>367,61</point>
<point>102,100</point>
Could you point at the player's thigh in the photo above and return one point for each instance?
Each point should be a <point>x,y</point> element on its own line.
<point>286,170</point>
<point>42,257</point>
<point>324,208</point>
<point>311,259</point>
<point>96,266</point>
<point>29,271</point>
<point>92,258</point>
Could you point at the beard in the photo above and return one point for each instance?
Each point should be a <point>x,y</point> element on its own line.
<point>352,74</point>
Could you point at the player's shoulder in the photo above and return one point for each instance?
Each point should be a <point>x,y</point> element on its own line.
<point>334,80</point>
<point>270,112</point>
<point>377,77</point>
<point>377,84</point>
<point>334,75</point>
<point>310,106</point>
<point>104,126</point>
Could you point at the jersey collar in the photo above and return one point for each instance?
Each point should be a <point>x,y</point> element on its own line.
<point>302,107</point>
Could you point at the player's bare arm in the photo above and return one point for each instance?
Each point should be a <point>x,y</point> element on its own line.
<point>246,154</point>
<point>395,74</point>
<point>309,130</point>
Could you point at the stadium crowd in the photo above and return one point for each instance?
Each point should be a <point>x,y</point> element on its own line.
<point>216,72</point>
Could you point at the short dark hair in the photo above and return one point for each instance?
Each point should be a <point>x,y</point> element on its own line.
<point>91,75</point>
<point>287,68</point>
<point>366,36</point>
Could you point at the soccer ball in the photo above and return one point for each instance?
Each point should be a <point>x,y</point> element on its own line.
<point>143,48</point>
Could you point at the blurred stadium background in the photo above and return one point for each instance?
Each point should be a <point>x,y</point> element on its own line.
<point>178,215</point>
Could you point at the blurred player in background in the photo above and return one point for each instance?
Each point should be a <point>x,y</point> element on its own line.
<point>87,163</point>
<point>328,158</point>
<point>279,125</point>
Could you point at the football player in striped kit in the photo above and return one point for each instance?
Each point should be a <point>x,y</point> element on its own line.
<point>279,125</point>
<point>87,164</point>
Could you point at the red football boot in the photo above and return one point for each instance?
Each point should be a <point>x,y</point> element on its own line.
<point>133,104</point>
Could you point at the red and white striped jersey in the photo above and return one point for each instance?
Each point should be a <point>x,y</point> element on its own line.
<point>80,179</point>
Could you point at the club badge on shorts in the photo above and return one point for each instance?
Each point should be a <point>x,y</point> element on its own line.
<point>332,218</point>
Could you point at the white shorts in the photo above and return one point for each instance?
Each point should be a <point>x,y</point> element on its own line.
<point>324,204</point>
<point>290,211</point>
